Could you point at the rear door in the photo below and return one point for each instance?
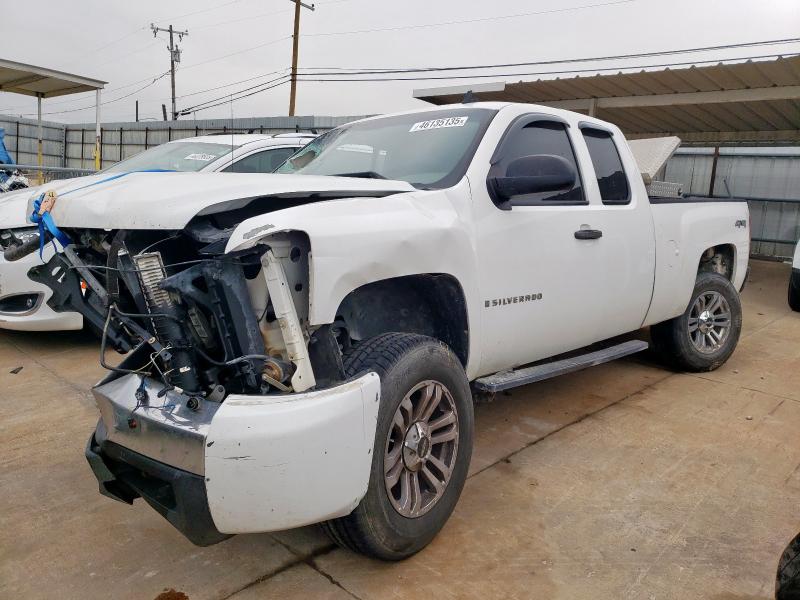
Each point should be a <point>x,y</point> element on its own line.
<point>625,254</point>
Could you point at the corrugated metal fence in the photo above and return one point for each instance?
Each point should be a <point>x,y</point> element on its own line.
<point>768,177</point>
<point>73,145</point>
<point>21,139</point>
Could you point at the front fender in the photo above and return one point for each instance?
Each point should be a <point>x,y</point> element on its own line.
<point>357,241</point>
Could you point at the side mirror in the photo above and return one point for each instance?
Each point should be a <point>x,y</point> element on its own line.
<point>532,174</point>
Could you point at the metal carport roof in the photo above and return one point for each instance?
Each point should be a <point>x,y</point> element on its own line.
<point>29,80</point>
<point>44,83</point>
<point>742,102</point>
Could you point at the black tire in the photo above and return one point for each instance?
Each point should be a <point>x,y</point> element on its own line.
<point>787,580</point>
<point>794,290</point>
<point>671,338</point>
<point>375,528</point>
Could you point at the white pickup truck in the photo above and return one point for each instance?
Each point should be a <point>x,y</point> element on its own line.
<point>304,347</point>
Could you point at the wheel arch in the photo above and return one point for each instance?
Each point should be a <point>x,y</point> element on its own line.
<point>718,259</point>
<point>432,304</point>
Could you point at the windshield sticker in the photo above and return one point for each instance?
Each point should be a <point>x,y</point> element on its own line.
<point>200,156</point>
<point>439,124</point>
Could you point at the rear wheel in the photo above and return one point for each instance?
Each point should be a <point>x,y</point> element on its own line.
<point>706,334</point>
<point>423,445</point>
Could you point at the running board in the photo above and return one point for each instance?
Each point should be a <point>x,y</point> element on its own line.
<point>509,379</point>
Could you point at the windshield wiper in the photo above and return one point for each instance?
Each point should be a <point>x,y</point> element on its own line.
<point>362,174</point>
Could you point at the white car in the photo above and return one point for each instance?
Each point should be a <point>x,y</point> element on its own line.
<point>304,344</point>
<point>23,303</point>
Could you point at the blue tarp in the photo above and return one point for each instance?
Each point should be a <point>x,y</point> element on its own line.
<point>5,157</point>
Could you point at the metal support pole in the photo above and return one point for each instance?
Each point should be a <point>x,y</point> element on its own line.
<point>713,171</point>
<point>97,146</point>
<point>592,107</point>
<point>39,120</point>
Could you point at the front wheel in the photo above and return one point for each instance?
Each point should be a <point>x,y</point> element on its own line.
<point>706,334</point>
<point>423,445</point>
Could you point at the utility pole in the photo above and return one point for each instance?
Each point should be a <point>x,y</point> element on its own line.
<point>174,57</point>
<point>295,45</point>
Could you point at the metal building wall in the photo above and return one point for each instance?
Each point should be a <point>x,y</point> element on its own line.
<point>768,177</point>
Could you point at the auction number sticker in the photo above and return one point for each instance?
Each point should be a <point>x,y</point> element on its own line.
<point>439,124</point>
<point>203,157</point>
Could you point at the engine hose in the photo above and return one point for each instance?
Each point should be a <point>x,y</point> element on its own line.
<point>14,253</point>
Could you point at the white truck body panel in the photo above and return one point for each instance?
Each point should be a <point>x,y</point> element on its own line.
<point>684,231</point>
<point>275,462</point>
<point>360,240</point>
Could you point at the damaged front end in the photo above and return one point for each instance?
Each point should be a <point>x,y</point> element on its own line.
<point>229,413</point>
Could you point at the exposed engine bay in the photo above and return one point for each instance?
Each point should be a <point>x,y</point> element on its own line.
<point>205,323</point>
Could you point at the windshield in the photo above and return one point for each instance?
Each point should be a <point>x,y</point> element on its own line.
<point>174,156</point>
<point>428,150</point>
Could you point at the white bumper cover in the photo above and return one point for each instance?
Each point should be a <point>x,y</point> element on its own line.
<point>277,462</point>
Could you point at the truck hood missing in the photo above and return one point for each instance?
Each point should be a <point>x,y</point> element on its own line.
<point>170,200</point>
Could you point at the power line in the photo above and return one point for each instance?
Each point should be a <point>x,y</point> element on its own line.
<point>228,97</point>
<point>343,77</point>
<point>197,12</point>
<point>312,76</point>
<point>205,62</point>
<point>469,21</point>
<point>568,60</point>
<point>239,20</point>
<point>227,85</point>
<point>389,70</point>
<point>286,79</point>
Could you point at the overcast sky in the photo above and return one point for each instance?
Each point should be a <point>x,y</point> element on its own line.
<point>234,40</point>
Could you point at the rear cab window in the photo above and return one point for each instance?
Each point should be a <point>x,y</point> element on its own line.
<point>608,169</point>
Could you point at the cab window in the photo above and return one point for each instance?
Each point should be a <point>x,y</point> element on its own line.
<point>607,164</point>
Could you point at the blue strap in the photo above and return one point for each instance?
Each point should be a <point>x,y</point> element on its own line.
<point>48,226</point>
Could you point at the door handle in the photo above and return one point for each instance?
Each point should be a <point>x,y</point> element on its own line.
<point>588,234</point>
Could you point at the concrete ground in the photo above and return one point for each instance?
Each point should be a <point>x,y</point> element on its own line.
<point>623,481</point>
